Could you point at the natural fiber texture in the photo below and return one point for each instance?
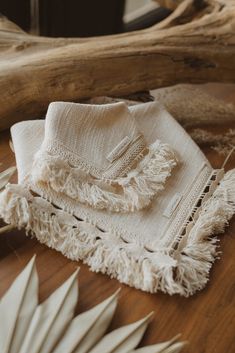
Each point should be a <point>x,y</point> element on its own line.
<point>221,143</point>
<point>102,140</point>
<point>197,111</point>
<point>193,107</point>
<point>183,270</point>
<point>168,246</point>
<point>138,187</point>
<point>50,327</point>
<point>190,105</point>
<point>96,155</point>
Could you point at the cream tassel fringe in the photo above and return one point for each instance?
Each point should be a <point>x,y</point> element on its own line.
<point>199,249</point>
<point>183,271</point>
<point>130,193</point>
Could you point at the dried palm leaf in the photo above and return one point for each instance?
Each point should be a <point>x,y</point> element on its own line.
<point>11,146</point>
<point>6,229</point>
<point>27,327</point>
<point>5,176</point>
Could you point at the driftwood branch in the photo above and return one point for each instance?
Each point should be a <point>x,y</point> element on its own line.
<point>195,44</point>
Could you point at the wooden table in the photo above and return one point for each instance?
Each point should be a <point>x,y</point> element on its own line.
<point>206,320</point>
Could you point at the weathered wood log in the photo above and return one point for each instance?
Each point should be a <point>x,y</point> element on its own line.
<point>195,44</point>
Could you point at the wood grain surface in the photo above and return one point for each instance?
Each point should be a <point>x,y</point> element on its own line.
<point>206,320</point>
<point>195,44</point>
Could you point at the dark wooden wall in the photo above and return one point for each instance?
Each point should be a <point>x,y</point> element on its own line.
<point>68,18</point>
<point>17,11</point>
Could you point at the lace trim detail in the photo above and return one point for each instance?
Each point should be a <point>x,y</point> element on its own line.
<point>117,169</point>
<point>55,148</point>
<point>126,194</point>
<point>205,193</point>
<point>123,165</point>
<point>193,193</point>
<point>184,271</point>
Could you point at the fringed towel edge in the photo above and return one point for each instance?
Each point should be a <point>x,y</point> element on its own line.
<point>181,271</point>
<point>126,194</point>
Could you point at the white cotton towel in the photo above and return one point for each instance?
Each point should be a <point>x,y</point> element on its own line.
<point>167,246</point>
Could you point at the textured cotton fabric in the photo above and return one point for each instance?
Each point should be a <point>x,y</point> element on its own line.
<point>165,246</point>
<point>87,136</point>
<point>96,155</point>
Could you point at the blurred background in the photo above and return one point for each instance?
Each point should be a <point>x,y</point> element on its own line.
<point>74,18</point>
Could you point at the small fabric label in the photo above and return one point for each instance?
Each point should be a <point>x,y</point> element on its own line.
<point>119,149</point>
<point>172,205</point>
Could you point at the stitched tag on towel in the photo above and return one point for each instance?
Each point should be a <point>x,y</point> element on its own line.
<point>172,205</point>
<point>119,149</point>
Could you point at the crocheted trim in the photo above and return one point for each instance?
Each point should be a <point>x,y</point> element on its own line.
<point>127,194</point>
<point>118,168</point>
<point>204,185</point>
<point>122,165</point>
<point>183,270</point>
